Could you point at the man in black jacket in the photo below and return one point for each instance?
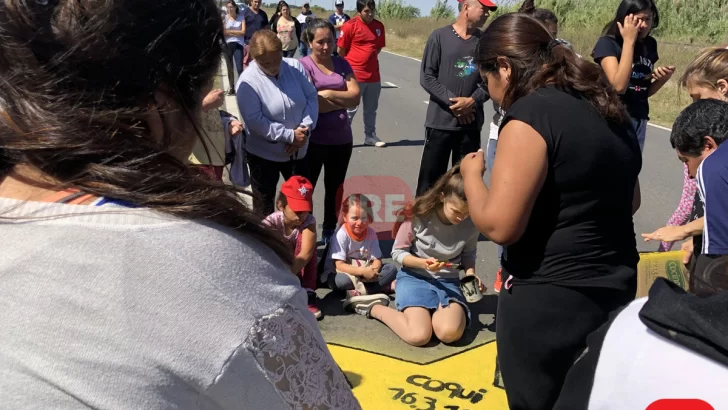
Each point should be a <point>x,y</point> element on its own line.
<point>449,74</point>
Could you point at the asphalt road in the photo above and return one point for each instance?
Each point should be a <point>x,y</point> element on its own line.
<point>400,120</point>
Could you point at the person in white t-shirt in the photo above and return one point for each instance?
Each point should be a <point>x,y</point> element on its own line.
<point>303,19</point>
<point>354,262</point>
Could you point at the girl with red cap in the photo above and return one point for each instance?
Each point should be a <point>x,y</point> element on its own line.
<point>298,227</point>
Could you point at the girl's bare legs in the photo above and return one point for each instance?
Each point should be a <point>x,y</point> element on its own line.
<point>449,322</point>
<point>413,325</point>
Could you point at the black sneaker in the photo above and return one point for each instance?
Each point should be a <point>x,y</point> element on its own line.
<point>364,307</point>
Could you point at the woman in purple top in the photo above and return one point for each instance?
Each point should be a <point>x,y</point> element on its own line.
<point>331,141</point>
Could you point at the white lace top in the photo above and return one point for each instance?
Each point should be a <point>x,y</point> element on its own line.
<point>115,308</point>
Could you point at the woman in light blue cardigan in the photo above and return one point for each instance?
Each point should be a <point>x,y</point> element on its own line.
<point>279,106</point>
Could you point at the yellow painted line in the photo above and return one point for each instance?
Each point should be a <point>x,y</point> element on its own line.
<point>460,382</point>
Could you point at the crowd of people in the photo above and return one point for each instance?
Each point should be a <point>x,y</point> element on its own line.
<point>133,277</point>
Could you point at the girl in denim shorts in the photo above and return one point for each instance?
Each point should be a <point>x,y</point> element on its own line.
<point>434,240</point>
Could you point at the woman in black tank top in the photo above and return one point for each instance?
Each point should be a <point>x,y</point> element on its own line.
<point>563,191</point>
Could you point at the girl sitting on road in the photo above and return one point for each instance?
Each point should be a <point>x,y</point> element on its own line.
<point>355,259</point>
<point>294,222</point>
<point>428,293</point>
<point>627,54</point>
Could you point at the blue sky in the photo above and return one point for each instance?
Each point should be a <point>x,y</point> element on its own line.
<point>423,5</point>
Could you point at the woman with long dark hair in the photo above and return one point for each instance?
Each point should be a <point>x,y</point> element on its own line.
<point>128,279</point>
<point>235,34</point>
<point>332,139</point>
<point>627,53</point>
<point>562,195</point>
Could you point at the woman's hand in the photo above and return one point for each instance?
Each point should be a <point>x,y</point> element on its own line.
<point>663,73</point>
<point>214,99</point>
<point>630,29</point>
<point>473,165</point>
<point>300,137</point>
<point>666,234</point>
<point>325,94</point>
<point>235,127</point>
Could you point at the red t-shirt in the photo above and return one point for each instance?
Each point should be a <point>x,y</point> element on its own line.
<point>363,42</point>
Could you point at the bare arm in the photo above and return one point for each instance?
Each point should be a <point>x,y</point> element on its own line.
<point>308,246</point>
<point>342,266</point>
<point>676,233</point>
<point>327,106</point>
<point>619,72</point>
<point>502,213</point>
<point>345,99</point>
<point>343,51</point>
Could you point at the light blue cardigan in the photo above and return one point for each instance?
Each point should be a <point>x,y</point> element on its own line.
<point>273,107</point>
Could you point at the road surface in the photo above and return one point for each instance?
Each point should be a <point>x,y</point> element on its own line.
<point>400,122</point>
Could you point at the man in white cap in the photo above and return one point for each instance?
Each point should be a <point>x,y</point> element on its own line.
<point>450,75</point>
<point>338,18</point>
<point>303,18</point>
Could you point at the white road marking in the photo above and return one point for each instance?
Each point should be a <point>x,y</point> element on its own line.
<point>426,102</point>
<point>403,56</point>
<point>387,84</point>
<point>419,61</point>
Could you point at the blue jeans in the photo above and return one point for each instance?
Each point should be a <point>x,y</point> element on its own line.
<point>370,100</point>
<point>428,292</point>
<point>640,127</point>
<point>238,50</point>
<point>302,49</point>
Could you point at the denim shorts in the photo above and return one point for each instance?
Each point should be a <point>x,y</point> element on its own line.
<point>428,293</point>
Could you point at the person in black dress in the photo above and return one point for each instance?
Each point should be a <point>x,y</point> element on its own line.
<point>563,191</point>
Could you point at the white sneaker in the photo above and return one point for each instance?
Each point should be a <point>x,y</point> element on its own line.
<point>374,141</point>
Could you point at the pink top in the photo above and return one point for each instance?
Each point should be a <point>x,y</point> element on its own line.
<point>276,220</point>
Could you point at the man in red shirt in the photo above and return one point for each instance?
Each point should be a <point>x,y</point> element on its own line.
<point>362,38</point>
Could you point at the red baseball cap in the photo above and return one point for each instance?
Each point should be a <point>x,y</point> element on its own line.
<point>299,193</point>
<point>486,3</point>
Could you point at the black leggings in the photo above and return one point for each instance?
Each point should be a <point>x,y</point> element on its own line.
<point>335,159</point>
<point>264,176</point>
<point>541,330</point>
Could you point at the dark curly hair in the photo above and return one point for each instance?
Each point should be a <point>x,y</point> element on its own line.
<point>77,80</point>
